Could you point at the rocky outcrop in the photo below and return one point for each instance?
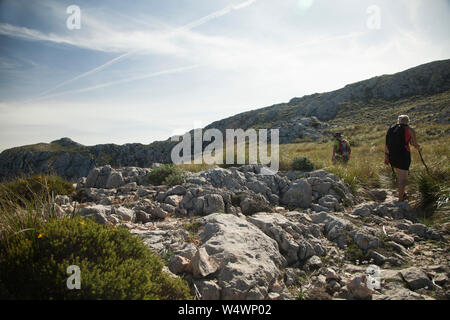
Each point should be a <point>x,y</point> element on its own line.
<point>108,178</point>
<point>298,240</point>
<point>249,261</point>
<point>72,160</point>
<point>200,230</point>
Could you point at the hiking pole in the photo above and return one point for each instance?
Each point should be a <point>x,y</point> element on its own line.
<point>420,153</point>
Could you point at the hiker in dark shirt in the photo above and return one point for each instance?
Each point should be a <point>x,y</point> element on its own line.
<point>398,152</point>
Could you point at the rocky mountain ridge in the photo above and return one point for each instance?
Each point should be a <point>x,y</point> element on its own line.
<point>300,119</point>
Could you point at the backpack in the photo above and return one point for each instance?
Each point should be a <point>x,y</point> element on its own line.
<point>344,148</point>
<point>395,138</point>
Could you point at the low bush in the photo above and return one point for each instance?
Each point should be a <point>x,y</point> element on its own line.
<point>355,254</point>
<point>167,174</point>
<point>302,164</point>
<point>113,264</point>
<point>431,190</point>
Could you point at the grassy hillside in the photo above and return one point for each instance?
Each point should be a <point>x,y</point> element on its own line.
<point>429,109</point>
<point>430,193</point>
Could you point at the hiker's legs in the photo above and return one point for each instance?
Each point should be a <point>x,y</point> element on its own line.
<point>402,176</point>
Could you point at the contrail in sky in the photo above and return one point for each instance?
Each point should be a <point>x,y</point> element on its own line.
<point>107,84</point>
<point>186,27</point>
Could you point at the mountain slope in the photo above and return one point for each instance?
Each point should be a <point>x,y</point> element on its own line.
<point>422,81</point>
<point>423,92</point>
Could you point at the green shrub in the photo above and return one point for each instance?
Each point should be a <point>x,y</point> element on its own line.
<point>167,174</point>
<point>354,253</point>
<point>22,190</point>
<point>431,190</point>
<point>175,178</point>
<point>302,164</point>
<point>113,264</point>
<point>428,189</point>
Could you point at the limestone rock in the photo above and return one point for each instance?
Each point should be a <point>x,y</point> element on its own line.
<point>202,264</point>
<point>179,264</point>
<point>208,289</point>
<point>248,260</point>
<point>403,239</point>
<point>358,288</point>
<point>98,212</point>
<point>124,213</point>
<point>299,195</point>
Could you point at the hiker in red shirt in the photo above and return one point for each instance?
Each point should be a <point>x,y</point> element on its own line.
<point>341,149</point>
<point>398,152</point>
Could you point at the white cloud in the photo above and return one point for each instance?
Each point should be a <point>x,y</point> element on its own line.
<point>108,39</point>
<point>7,29</point>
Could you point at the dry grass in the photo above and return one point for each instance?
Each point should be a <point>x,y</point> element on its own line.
<point>24,214</point>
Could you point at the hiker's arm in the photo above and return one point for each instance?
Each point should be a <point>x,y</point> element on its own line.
<point>386,155</point>
<point>414,140</point>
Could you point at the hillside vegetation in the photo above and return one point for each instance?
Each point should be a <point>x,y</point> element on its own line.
<point>38,243</point>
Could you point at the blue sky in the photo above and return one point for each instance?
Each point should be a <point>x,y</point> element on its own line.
<point>143,71</point>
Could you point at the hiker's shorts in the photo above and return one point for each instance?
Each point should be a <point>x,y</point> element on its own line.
<point>342,158</point>
<point>400,161</point>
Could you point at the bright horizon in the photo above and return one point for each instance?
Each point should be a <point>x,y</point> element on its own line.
<point>137,75</point>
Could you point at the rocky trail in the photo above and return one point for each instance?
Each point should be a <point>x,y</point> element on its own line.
<point>238,234</point>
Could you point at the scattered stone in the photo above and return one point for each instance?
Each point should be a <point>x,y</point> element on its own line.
<point>364,209</point>
<point>403,239</point>
<point>159,213</point>
<point>62,200</point>
<point>292,276</point>
<point>377,257</point>
<point>418,229</point>
<point>416,278</point>
<point>299,195</point>
<point>208,289</point>
<point>98,212</point>
<point>114,180</point>
<point>441,279</point>
<point>173,200</point>
<point>313,263</point>
<point>124,213</point>
<point>179,264</point>
<point>330,274</point>
<point>358,288</point>
<point>364,240</point>
<point>202,264</point>
<point>379,195</point>
<point>329,202</point>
